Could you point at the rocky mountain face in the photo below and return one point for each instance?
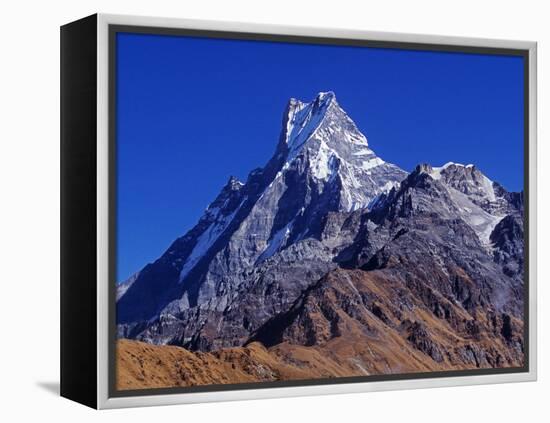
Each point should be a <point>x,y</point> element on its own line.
<point>275,222</point>
<point>331,249</point>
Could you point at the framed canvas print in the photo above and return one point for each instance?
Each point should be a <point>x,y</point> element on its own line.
<point>254,211</point>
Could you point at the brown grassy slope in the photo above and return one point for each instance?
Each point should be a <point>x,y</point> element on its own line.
<point>351,323</point>
<point>141,365</point>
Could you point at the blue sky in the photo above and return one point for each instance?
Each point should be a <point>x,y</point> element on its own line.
<point>193,111</point>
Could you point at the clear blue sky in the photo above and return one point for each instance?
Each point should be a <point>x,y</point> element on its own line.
<point>193,111</point>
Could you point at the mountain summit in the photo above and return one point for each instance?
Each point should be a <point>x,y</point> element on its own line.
<point>322,164</point>
<point>326,138</point>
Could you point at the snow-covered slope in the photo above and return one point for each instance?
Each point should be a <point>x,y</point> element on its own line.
<point>477,199</point>
<point>322,133</point>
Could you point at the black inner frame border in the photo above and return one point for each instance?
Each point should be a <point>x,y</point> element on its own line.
<point>297,39</point>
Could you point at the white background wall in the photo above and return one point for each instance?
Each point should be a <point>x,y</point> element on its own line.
<point>29,208</point>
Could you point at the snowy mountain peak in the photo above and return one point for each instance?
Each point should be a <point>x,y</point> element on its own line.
<point>321,124</point>
<point>479,201</point>
<point>321,101</point>
<point>326,97</point>
<point>321,136</point>
<point>303,118</point>
<point>322,165</point>
<point>467,179</point>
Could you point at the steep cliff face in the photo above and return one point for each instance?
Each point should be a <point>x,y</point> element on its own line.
<point>328,251</point>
